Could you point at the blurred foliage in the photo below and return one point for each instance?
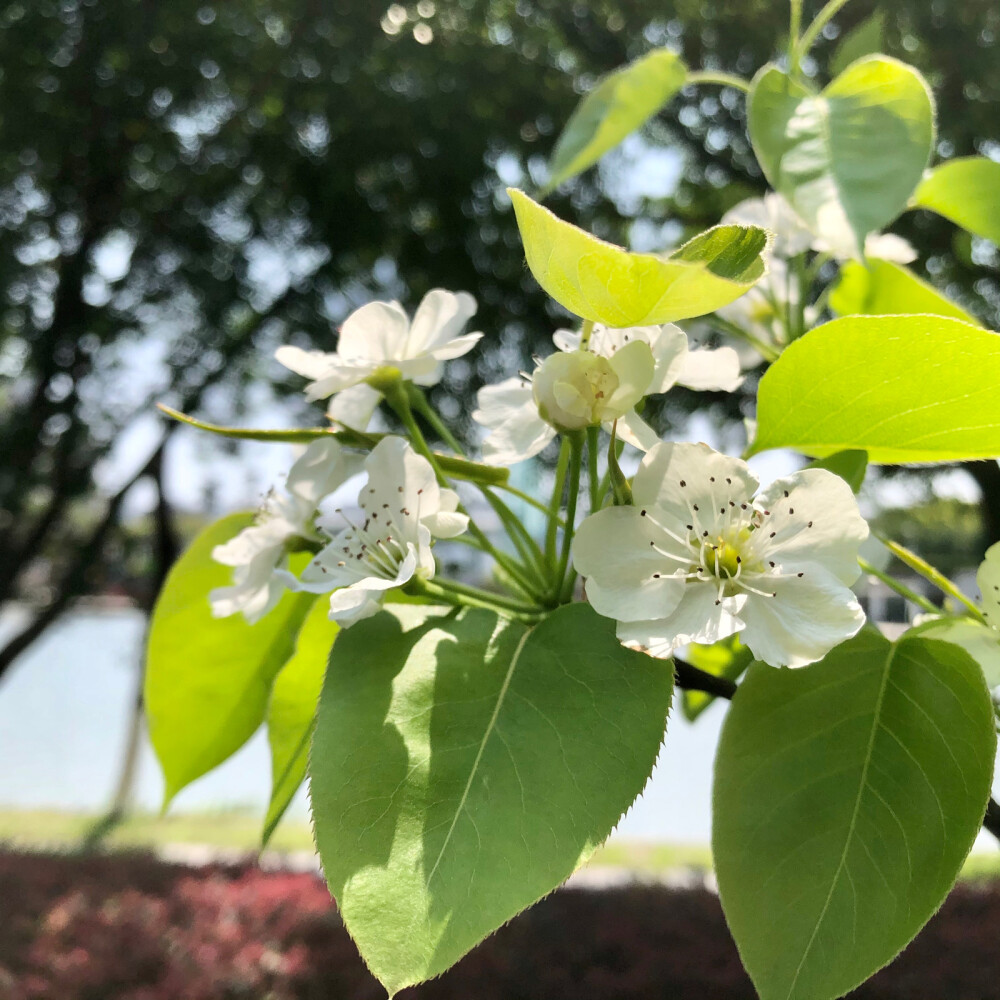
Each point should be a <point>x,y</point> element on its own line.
<point>946,531</point>
<point>185,185</point>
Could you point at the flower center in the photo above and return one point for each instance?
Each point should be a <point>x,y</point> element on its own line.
<point>723,560</point>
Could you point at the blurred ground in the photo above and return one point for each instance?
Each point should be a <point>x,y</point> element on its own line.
<point>131,927</point>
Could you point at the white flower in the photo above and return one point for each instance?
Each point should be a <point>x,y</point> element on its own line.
<point>512,410</point>
<point>699,558</point>
<point>793,236</point>
<point>403,508</point>
<point>378,336</point>
<point>988,580</point>
<point>774,213</point>
<point>259,550</point>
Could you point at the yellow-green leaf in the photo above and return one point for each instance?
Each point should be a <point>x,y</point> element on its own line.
<point>618,105</point>
<point>607,284</point>
<point>966,191</point>
<point>884,288</point>
<point>902,388</point>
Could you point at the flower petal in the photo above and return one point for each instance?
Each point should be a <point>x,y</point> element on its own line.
<point>709,370</point>
<point>518,431</point>
<point>364,598</point>
<point>692,483</point>
<point>634,366</point>
<point>354,407</point>
<point>988,580</point>
<point>310,364</point>
<point>374,335</point>
<point>816,522</point>
<point>804,620</point>
<point>669,345</point>
<point>438,320</point>
<point>322,468</point>
<point>633,430</point>
<point>627,578</point>
<point>699,617</point>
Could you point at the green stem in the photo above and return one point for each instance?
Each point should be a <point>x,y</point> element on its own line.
<point>794,27</point>
<point>723,79</point>
<point>932,575</point>
<point>526,497</point>
<point>491,602</point>
<point>811,33</point>
<point>501,600</point>
<point>562,580</point>
<point>593,435</point>
<point>764,349</point>
<point>585,331</point>
<point>526,546</point>
<point>900,588</point>
<point>424,408</point>
<point>398,399</point>
<point>557,491</point>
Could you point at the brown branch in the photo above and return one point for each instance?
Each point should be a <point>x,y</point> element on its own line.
<point>73,579</point>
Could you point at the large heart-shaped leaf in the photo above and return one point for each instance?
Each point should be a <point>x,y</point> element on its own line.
<point>884,288</point>
<point>463,766</point>
<point>292,709</point>
<point>903,388</point>
<point>848,158</point>
<point>966,191</point>
<point>618,105</point>
<point>847,796</point>
<point>208,679</point>
<point>607,284</point>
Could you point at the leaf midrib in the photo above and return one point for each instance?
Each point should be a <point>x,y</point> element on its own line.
<point>862,785</point>
<point>490,727</point>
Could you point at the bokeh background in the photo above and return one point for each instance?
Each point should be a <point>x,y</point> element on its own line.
<point>185,186</point>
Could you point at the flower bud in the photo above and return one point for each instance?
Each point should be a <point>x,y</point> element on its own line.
<point>577,389</point>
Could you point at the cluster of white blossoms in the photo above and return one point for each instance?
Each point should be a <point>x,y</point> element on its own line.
<point>767,312</point>
<point>285,521</point>
<point>697,558</point>
<point>597,386</point>
<point>402,509</point>
<point>700,557</point>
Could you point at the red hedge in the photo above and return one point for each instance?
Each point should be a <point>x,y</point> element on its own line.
<point>129,927</point>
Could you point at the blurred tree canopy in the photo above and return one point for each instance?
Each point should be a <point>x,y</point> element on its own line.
<point>185,185</point>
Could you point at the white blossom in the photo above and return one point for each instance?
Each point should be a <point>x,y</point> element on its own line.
<point>988,580</point>
<point>379,336</point>
<point>258,551</point>
<point>793,236</point>
<point>402,509</point>
<point>699,558</point>
<point>774,212</point>
<point>515,410</point>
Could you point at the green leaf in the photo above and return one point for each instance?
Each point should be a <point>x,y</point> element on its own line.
<point>966,191</point>
<point>851,466</point>
<point>847,796</point>
<point>727,658</point>
<point>865,39</point>
<point>208,679</point>
<point>618,105</point>
<point>849,158</point>
<point>904,388</point>
<point>604,283</point>
<point>884,288</point>
<point>981,642</point>
<point>463,766</point>
<point>292,710</point>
